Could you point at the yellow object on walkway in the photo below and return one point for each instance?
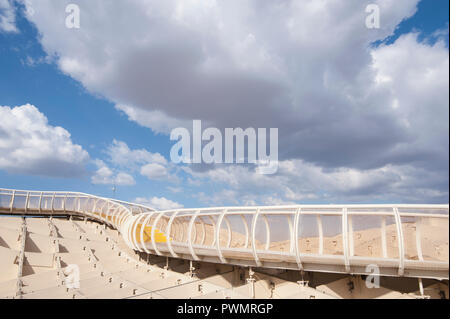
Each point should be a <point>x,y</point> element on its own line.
<point>160,237</point>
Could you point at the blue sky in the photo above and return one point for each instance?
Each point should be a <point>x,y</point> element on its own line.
<point>88,112</point>
<point>430,16</point>
<point>92,120</point>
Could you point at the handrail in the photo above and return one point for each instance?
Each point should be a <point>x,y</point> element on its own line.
<point>326,238</point>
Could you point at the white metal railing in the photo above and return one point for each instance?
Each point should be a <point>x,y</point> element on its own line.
<point>400,240</point>
<point>112,212</point>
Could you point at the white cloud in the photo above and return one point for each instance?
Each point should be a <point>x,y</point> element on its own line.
<point>29,145</point>
<point>124,179</point>
<point>105,176</point>
<point>154,171</point>
<point>419,88</point>
<point>214,60</point>
<point>7,16</point>
<point>159,203</point>
<point>175,190</point>
<point>121,155</point>
<point>361,119</point>
<point>158,121</point>
<point>122,164</point>
<point>154,166</point>
<point>300,182</point>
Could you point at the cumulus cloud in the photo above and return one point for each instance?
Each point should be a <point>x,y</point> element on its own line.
<point>154,171</point>
<point>121,155</point>
<point>342,106</point>
<point>416,78</point>
<point>175,190</point>
<point>105,176</point>
<point>29,145</point>
<point>157,120</point>
<point>7,16</point>
<point>120,158</point>
<point>159,203</point>
<point>299,182</point>
<point>220,62</point>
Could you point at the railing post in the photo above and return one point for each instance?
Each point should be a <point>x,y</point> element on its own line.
<point>191,225</point>
<point>219,223</point>
<point>64,202</point>
<point>153,233</point>
<point>52,204</point>
<point>319,225</point>
<point>144,224</point>
<point>40,202</point>
<point>230,234</point>
<point>213,223</point>
<point>296,237</point>
<point>246,231</point>
<point>383,237</point>
<point>267,246</point>
<point>122,215</point>
<point>418,238</point>
<point>133,232</point>
<point>203,232</point>
<point>169,226</point>
<point>291,234</point>
<point>351,240</point>
<point>345,241</point>
<point>11,204</point>
<point>255,255</point>
<point>401,248</point>
<point>27,201</point>
<point>113,213</point>
<point>94,208</point>
<point>105,218</point>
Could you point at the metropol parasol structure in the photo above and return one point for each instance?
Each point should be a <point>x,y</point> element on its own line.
<point>256,251</point>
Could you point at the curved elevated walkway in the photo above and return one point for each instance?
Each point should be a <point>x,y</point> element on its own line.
<point>391,240</point>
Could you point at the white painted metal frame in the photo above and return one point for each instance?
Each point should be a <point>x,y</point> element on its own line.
<point>127,218</point>
<point>157,219</point>
<point>191,225</point>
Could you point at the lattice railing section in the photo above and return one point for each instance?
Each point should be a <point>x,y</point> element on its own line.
<point>391,240</point>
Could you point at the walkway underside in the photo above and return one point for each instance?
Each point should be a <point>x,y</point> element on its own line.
<point>405,241</point>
